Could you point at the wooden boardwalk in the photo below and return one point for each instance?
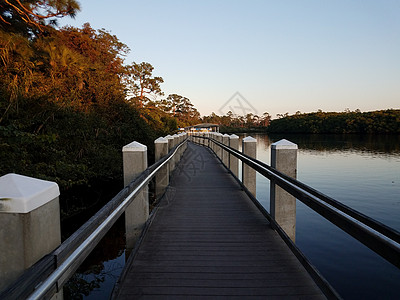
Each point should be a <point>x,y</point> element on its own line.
<point>209,241</point>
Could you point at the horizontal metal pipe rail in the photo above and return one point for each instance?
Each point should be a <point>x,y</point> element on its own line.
<point>380,238</point>
<point>69,255</point>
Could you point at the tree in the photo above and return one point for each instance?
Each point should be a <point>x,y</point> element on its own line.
<point>266,119</point>
<point>141,83</point>
<point>30,17</point>
<point>181,108</point>
<point>89,69</point>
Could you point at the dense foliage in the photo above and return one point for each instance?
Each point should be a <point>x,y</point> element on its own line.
<point>384,121</point>
<point>68,103</point>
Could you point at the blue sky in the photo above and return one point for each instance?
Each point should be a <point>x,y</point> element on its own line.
<point>281,56</point>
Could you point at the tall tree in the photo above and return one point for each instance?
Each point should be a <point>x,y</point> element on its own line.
<point>141,83</point>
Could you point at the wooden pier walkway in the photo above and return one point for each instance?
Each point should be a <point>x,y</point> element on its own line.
<point>208,241</point>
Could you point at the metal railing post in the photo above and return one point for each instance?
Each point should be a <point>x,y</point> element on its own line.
<point>283,204</point>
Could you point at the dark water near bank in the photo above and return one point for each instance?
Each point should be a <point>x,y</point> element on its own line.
<point>362,172</point>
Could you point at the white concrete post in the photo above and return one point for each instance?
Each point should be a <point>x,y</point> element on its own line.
<point>137,213</point>
<point>180,153</point>
<point>218,137</point>
<point>214,146</point>
<point>282,204</point>
<point>225,154</point>
<point>29,223</point>
<point>211,144</point>
<point>175,141</point>
<point>170,141</point>
<point>249,147</point>
<point>185,136</point>
<point>180,141</point>
<point>176,157</point>
<point>234,161</point>
<point>194,138</point>
<point>170,146</point>
<point>162,176</point>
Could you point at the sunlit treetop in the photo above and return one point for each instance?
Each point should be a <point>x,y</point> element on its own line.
<point>30,17</point>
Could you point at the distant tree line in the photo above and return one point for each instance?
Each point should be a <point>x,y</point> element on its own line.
<point>382,121</point>
<point>231,122</point>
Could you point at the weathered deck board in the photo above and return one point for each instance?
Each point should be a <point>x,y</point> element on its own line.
<point>208,240</point>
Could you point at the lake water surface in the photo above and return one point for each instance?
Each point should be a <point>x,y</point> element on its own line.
<point>362,172</point>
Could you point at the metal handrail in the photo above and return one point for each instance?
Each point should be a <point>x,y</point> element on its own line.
<point>380,238</point>
<point>62,269</point>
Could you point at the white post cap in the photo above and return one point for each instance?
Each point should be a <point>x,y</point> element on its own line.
<point>249,139</point>
<point>161,140</point>
<point>233,137</point>
<point>22,194</point>
<point>284,144</point>
<point>226,135</point>
<point>133,147</point>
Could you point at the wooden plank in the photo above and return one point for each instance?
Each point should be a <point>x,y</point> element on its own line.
<point>220,291</point>
<point>216,282</point>
<point>209,240</point>
<point>212,276</point>
<point>214,297</point>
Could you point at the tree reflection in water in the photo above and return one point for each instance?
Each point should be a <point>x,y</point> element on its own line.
<point>99,272</point>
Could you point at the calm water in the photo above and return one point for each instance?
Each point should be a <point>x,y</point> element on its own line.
<point>362,172</point>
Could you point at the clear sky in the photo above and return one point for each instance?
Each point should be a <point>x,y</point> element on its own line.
<point>281,56</point>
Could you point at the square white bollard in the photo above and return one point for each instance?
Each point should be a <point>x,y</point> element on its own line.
<point>29,223</point>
